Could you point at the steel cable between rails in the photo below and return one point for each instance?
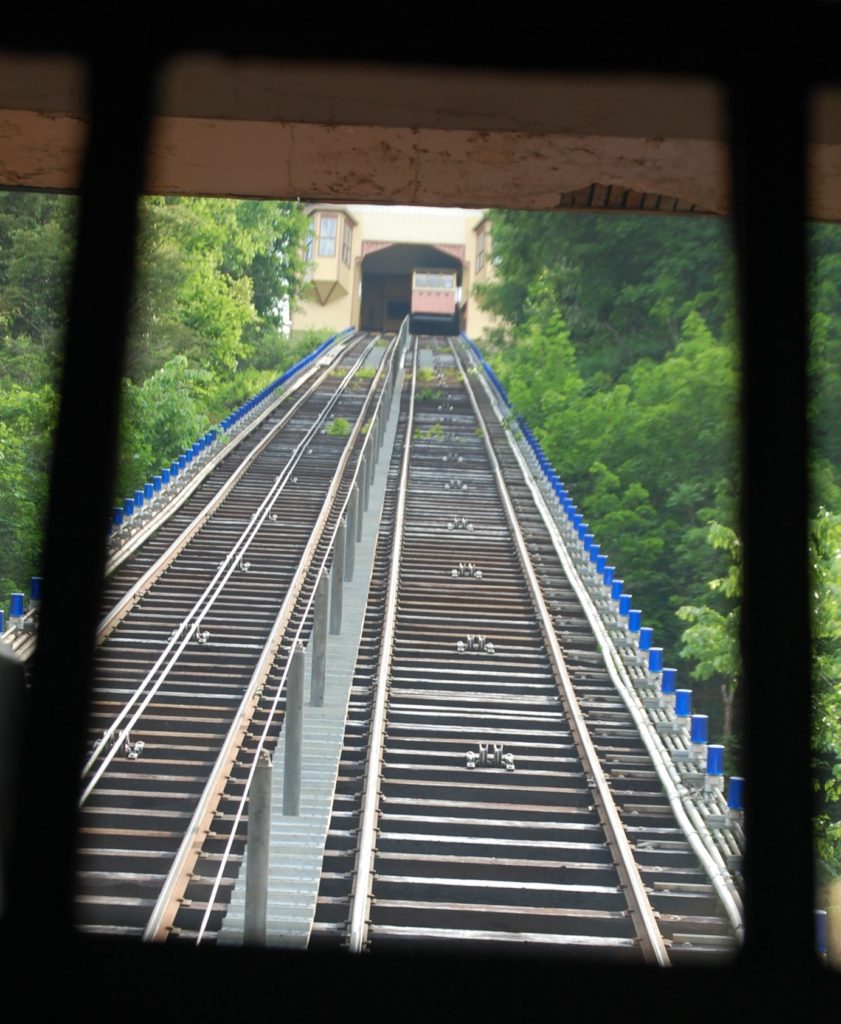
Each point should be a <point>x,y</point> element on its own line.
<point>315,572</point>
<point>648,932</point>
<point>203,604</point>
<point>180,492</point>
<point>686,814</point>
<point>360,900</point>
<point>186,487</point>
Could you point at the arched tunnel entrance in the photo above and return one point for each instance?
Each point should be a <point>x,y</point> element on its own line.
<point>387,279</point>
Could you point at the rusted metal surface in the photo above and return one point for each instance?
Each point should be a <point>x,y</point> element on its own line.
<point>510,852</point>
<point>171,745</point>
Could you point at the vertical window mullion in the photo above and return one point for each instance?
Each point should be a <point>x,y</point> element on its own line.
<point>768,149</point>
<point>81,492</point>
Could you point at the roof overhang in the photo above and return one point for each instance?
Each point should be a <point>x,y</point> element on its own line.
<point>339,132</point>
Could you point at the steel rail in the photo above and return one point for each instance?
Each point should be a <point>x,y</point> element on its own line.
<point>645,919</point>
<point>167,510</point>
<point>691,824</point>
<point>194,618</point>
<point>25,645</point>
<point>298,637</point>
<point>133,595</point>
<point>361,900</point>
<point>162,917</point>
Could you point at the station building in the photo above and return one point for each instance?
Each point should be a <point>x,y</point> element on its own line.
<point>362,258</point>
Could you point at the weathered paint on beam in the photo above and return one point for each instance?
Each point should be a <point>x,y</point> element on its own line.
<point>389,134</point>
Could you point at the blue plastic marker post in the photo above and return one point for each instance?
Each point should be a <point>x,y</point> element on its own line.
<point>198,446</point>
<point>736,793</point>
<point>138,500</point>
<point>16,608</point>
<point>188,456</point>
<point>698,729</point>
<point>594,553</point>
<point>646,636</point>
<point>715,759</point>
<point>655,659</point>
<point>616,589</point>
<point>183,460</point>
<point>822,933</point>
<point>118,517</point>
<point>714,779</point>
<point>683,703</point>
<point>174,468</point>
<point>35,588</point>
<point>624,604</point>
<point>148,491</point>
<point>609,570</point>
<point>634,620</point>
<point>668,684</point>
<point>128,507</point>
<point>2,621</point>
<point>601,562</point>
<point>158,483</point>
<point>588,539</point>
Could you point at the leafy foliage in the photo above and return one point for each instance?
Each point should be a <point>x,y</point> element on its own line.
<point>214,280</point>
<point>620,349</point>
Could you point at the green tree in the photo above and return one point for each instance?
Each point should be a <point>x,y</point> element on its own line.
<point>711,640</point>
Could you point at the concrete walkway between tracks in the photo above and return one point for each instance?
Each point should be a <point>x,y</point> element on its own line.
<point>297,843</point>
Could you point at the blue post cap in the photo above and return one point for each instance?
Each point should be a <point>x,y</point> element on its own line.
<point>715,759</point>
<point>158,482</point>
<point>148,491</point>
<point>616,589</point>
<point>736,793</point>
<point>16,605</point>
<point>35,588</point>
<point>609,570</point>
<point>2,621</point>
<point>188,455</point>
<point>655,659</point>
<point>698,728</point>
<point>668,683</point>
<point>182,461</point>
<point>198,446</point>
<point>601,561</point>
<point>138,499</point>
<point>173,468</point>
<point>646,636</point>
<point>624,604</point>
<point>581,529</point>
<point>588,539</point>
<point>128,506</point>
<point>577,520</point>
<point>634,620</point>
<point>594,552</point>
<point>118,517</point>
<point>822,932</point>
<point>683,703</point>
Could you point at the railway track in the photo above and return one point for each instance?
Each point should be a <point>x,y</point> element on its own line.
<point>192,658</point>
<point>494,792</point>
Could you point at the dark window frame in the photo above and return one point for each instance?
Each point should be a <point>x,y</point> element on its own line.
<point>767,109</point>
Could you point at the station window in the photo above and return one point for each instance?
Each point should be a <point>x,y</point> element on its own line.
<point>327,234</point>
<point>347,239</point>
<point>480,249</point>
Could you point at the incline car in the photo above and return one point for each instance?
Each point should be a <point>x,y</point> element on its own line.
<point>435,302</point>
